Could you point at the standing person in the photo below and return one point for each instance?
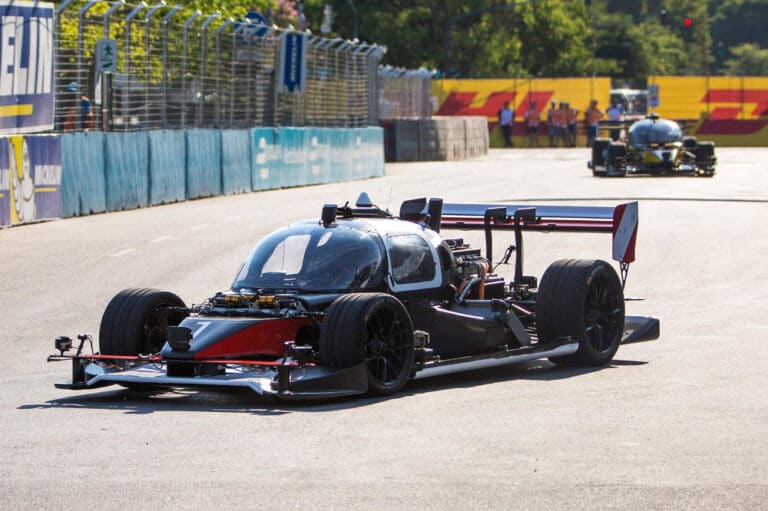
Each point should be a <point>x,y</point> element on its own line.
<point>561,124</point>
<point>506,122</point>
<point>532,121</point>
<point>551,123</point>
<point>592,116</point>
<point>614,116</point>
<point>80,115</point>
<point>572,119</point>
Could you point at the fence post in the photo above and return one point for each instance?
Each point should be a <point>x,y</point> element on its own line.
<point>125,86</point>
<point>187,23</point>
<point>164,101</point>
<point>203,48</point>
<point>147,61</point>
<point>80,50</point>
<point>217,70</point>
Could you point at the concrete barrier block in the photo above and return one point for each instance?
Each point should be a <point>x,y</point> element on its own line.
<point>265,159</point>
<point>294,149</point>
<point>203,163</point>
<point>127,170</point>
<point>83,185</point>
<point>167,166</point>
<point>236,161</point>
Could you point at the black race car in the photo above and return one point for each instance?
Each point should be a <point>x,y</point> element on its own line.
<point>653,146</point>
<point>361,301</point>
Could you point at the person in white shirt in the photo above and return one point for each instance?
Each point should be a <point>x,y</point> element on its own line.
<point>506,122</point>
<point>614,116</point>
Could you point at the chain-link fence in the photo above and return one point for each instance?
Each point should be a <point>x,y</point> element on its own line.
<point>405,93</point>
<point>134,67</point>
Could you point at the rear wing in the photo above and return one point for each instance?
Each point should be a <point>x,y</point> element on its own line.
<point>620,221</point>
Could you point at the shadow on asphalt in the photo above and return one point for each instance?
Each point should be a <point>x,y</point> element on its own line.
<point>246,402</point>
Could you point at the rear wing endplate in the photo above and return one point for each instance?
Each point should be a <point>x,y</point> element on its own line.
<point>620,221</point>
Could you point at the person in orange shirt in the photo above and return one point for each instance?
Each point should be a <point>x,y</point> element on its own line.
<point>572,117</point>
<point>532,118</point>
<point>592,116</point>
<point>561,124</point>
<point>551,130</point>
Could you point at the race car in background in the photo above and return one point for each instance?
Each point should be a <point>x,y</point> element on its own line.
<point>360,301</point>
<point>653,146</point>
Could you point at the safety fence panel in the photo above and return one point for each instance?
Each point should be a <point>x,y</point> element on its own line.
<point>167,166</point>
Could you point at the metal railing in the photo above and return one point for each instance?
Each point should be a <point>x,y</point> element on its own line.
<point>174,68</point>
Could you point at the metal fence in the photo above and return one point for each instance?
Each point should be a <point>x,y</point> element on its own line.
<point>169,68</point>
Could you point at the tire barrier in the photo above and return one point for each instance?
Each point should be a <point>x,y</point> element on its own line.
<point>437,138</point>
<point>82,173</point>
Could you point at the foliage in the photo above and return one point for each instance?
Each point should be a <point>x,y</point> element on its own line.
<point>747,59</point>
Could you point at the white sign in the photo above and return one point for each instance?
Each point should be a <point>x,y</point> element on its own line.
<point>106,55</point>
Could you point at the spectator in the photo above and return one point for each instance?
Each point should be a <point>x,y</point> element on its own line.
<point>561,124</point>
<point>551,123</point>
<point>572,118</point>
<point>592,116</point>
<point>614,117</point>
<point>532,121</point>
<point>80,115</point>
<point>506,122</point>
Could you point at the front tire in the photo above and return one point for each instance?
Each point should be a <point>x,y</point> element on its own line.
<point>374,328</point>
<point>705,158</point>
<point>137,320</point>
<point>581,299</point>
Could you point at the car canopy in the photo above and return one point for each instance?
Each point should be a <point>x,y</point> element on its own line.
<point>311,257</point>
<point>654,131</point>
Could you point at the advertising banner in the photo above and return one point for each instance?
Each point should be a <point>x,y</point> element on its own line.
<point>292,75</point>
<point>26,66</point>
<point>30,178</point>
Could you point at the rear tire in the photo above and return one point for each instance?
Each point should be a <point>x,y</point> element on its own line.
<point>374,328</point>
<point>599,148</point>
<point>137,320</point>
<point>581,299</point>
<point>616,159</point>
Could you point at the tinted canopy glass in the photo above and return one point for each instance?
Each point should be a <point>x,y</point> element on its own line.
<point>660,132</point>
<point>313,258</point>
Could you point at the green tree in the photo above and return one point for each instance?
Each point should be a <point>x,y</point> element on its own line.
<point>747,59</point>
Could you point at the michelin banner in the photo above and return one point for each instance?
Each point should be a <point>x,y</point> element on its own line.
<point>26,66</point>
<point>30,179</point>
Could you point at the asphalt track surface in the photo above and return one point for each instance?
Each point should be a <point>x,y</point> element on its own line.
<point>680,423</point>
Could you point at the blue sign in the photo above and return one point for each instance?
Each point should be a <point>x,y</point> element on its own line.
<point>255,28</point>
<point>292,75</point>
<point>26,66</point>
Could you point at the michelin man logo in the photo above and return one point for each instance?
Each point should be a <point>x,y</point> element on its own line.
<point>23,185</point>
